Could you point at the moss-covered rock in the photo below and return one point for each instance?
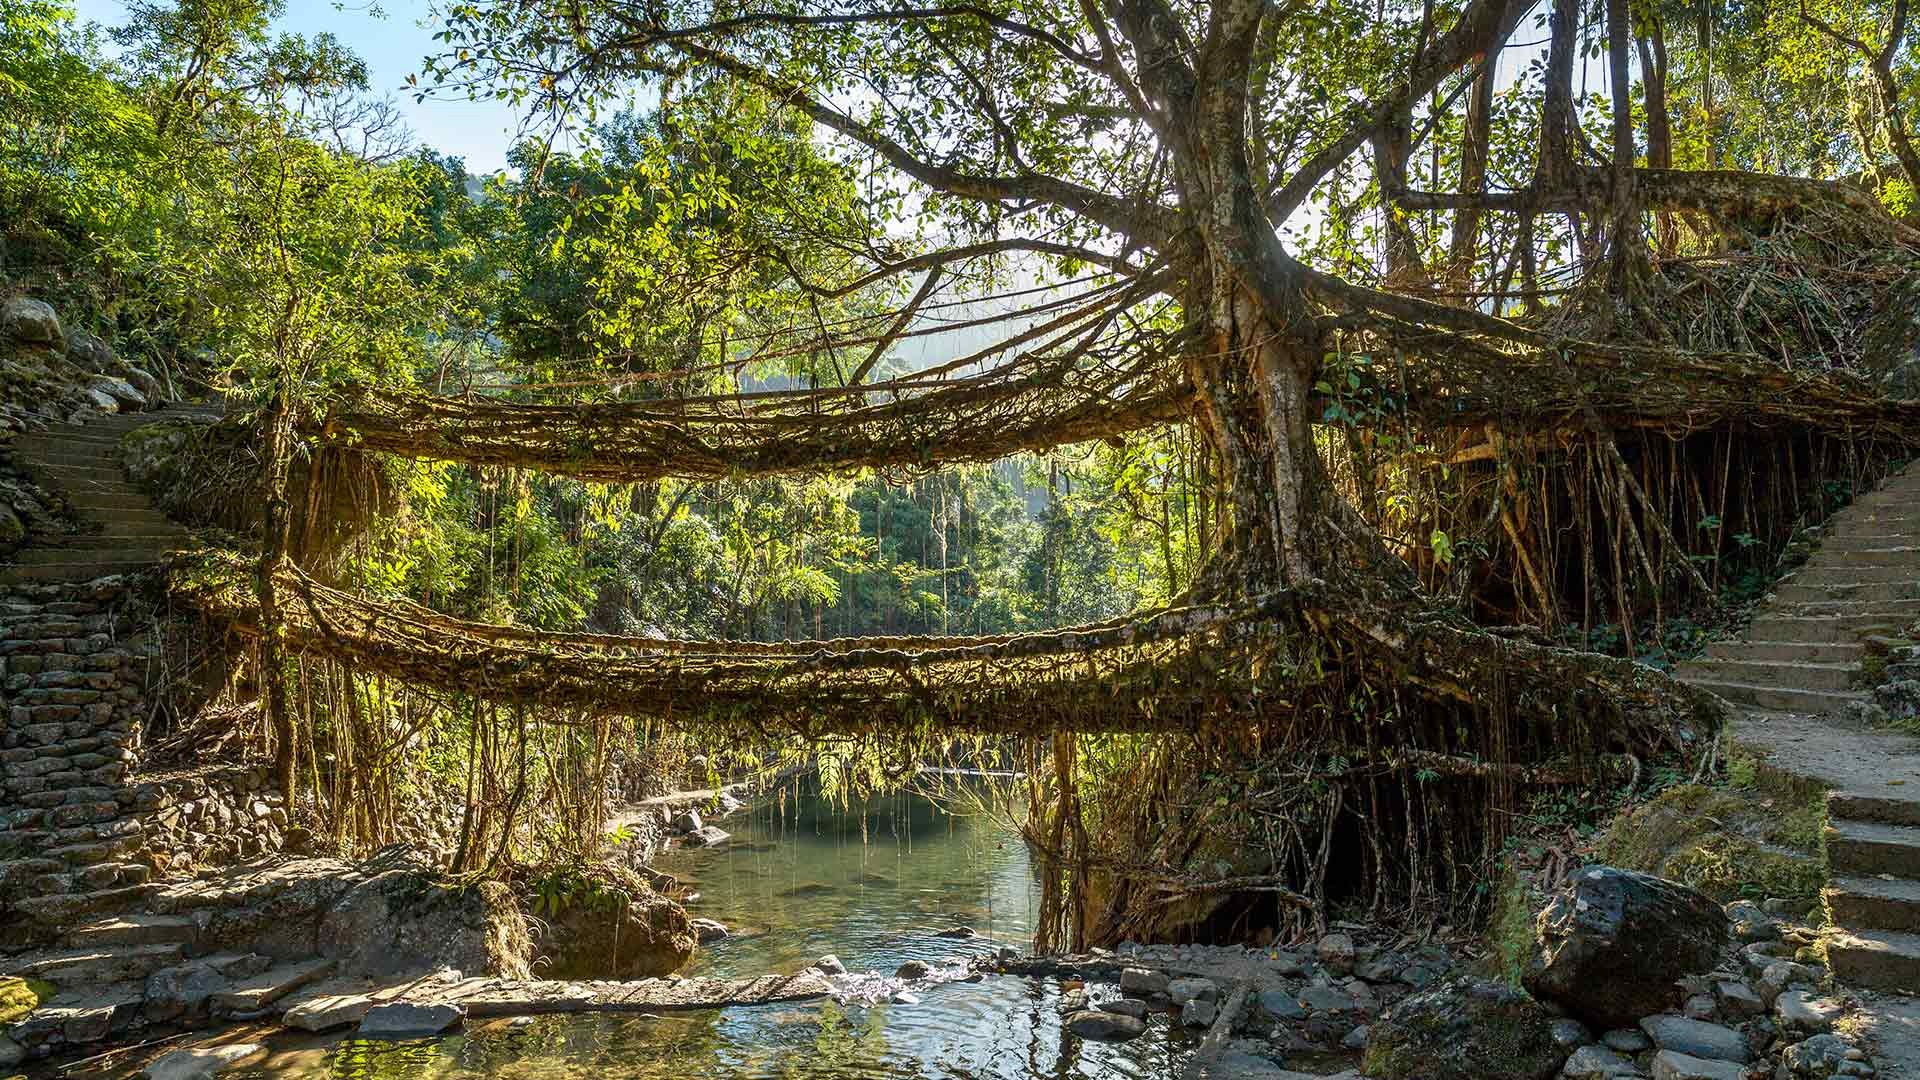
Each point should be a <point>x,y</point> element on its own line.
<point>18,997</point>
<point>1468,1029</point>
<point>1727,843</point>
<point>605,922</point>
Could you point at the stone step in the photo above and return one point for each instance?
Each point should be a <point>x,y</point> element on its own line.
<point>140,523</point>
<point>1899,612</point>
<point>1827,629</point>
<point>1892,557</point>
<point>1776,673</point>
<point>1811,652</point>
<point>1875,959</point>
<point>90,1018</point>
<point>1775,698</point>
<point>1852,572</point>
<point>1893,551</point>
<point>1874,903</point>
<point>22,575</point>
<point>71,470</point>
<point>90,501</point>
<point>95,967</point>
<point>1869,591</point>
<point>258,991</point>
<point>1872,847</point>
<point>133,929</point>
<point>63,910</point>
<point>1871,806</point>
<point>96,551</point>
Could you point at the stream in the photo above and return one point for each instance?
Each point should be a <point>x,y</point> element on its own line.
<point>800,878</point>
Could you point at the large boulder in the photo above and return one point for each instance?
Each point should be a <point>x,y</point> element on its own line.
<point>410,919</point>
<point>89,352</point>
<point>31,321</point>
<point>1611,943</point>
<point>1464,1030</point>
<point>605,922</point>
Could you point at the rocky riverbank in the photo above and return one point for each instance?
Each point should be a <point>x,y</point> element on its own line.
<point>1630,976</point>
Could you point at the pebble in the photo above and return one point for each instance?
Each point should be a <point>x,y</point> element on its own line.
<point>1800,1011</point>
<point>1282,1005</point>
<point>1326,999</point>
<point>1627,1041</point>
<point>1357,1038</point>
<point>1569,1033</point>
<point>1670,1065</point>
<point>1198,1013</point>
<point>1739,999</point>
<point>1336,954</point>
<point>1597,1063</point>
<point>1141,982</point>
<point>1183,991</point>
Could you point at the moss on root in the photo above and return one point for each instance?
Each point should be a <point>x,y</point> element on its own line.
<point>1510,936</point>
<point>1728,843</point>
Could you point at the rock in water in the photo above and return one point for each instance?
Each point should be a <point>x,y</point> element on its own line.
<point>829,965</point>
<point>200,1061</point>
<point>1105,1026</point>
<point>708,930</point>
<point>328,1012</point>
<point>912,969</point>
<point>708,836</point>
<point>406,1020</point>
<point>1143,982</point>
<point>1611,944</point>
<point>1464,1030</point>
<point>688,821</point>
<point>29,320</point>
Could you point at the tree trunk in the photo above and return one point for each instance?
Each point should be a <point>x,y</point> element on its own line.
<point>273,549</point>
<point>1474,137</point>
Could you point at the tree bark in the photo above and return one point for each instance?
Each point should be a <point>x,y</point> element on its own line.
<point>273,549</point>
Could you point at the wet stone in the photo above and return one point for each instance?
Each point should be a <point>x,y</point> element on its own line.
<point>1103,1026</point>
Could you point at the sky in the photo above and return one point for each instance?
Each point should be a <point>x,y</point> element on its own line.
<point>392,38</point>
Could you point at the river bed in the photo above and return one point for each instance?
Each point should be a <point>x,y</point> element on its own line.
<point>872,884</point>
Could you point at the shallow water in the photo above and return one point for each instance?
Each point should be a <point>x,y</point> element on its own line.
<point>872,884</point>
<point>802,879</point>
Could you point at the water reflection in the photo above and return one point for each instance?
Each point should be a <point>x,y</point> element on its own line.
<point>872,883</point>
<point>997,1029</point>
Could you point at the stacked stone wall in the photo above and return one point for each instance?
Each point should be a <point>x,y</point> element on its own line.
<point>73,700</point>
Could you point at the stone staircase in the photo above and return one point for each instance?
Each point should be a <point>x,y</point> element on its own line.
<point>123,531</point>
<point>1791,683</point>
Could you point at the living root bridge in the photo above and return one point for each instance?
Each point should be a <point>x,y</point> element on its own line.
<point>1266,664</point>
<point>905,424</point>
<point>1440,377</point>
